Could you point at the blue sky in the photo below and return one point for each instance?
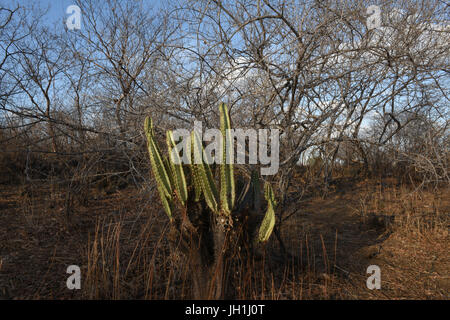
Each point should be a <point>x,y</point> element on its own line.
<point>56,8</point>
<point>56,12</point>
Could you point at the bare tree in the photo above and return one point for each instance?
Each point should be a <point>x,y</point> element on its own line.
<point>316,71</point>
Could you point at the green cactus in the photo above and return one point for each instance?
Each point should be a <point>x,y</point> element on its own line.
<point>227,190</point>
<point>208,211</point>
<point>170,176</point>
<point>177,170</point>
<point>269,219</point>
<point>159,169</point>
<point>208,185</point>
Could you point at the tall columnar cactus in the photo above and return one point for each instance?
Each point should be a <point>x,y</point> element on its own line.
<point>227,191</point>
<point>207,208</point>
<point>171,180</point>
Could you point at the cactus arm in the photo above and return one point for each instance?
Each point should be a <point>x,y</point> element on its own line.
<point>227,187</point>
<point>268,222</point>
<point>177,169</point>
<point>205,175</point>
<point>156,160</point>
<point>159,169</point>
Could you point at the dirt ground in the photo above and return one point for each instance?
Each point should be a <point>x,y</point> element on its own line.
<point>370,223</point>
<point>117,238</point>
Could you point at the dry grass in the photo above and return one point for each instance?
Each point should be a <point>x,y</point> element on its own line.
<point>119,242</point>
